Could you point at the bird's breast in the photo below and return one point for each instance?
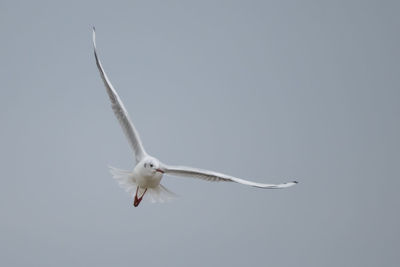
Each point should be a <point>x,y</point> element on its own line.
<point>149,181</point>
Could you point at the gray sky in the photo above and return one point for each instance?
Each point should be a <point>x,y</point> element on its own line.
<point>269,91</point>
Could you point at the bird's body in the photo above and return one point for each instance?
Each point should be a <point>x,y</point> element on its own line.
<point>145,178</point>
<point>148,172</point>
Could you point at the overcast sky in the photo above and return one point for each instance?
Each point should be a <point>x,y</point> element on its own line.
<point>270,91</point>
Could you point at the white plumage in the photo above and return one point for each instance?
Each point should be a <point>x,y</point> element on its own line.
<point>145,178</point>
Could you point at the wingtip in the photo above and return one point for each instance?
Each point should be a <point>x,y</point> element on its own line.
<point>94,38</point>
<point>295,182</point>
<point>94,28</point>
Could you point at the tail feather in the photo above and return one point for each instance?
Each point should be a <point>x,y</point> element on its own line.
<point>159,194</point>
<point>127,181</point>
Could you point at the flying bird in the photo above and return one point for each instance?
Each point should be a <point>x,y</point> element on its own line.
<point>148,171</point>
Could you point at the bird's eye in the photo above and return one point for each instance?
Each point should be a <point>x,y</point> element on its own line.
<point>151,165</point>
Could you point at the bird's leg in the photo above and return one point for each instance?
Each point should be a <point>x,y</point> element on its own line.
<point>137,200</point>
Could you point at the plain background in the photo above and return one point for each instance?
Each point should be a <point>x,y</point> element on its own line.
<point>269,91</point>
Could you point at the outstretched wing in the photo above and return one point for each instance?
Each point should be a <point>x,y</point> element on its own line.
<point>120,111</point>
<point>216,177</point>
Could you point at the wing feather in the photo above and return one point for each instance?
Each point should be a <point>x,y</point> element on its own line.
<point>120,111</point>
<point>217,177</point>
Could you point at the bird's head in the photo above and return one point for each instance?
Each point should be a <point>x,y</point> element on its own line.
<point>151,166</point>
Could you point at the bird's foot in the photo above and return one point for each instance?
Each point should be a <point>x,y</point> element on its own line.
<point>137,200</point>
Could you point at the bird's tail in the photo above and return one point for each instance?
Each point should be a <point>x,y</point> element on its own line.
<point>127,181</point>
<point>159,194</point>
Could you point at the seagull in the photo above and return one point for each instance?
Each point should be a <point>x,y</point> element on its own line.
<point>148,171</point>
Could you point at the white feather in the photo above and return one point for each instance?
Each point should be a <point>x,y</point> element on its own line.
<point>126,180</point>
<point>148,170</point>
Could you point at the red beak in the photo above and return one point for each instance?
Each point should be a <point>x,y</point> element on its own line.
<point>159,170</point>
